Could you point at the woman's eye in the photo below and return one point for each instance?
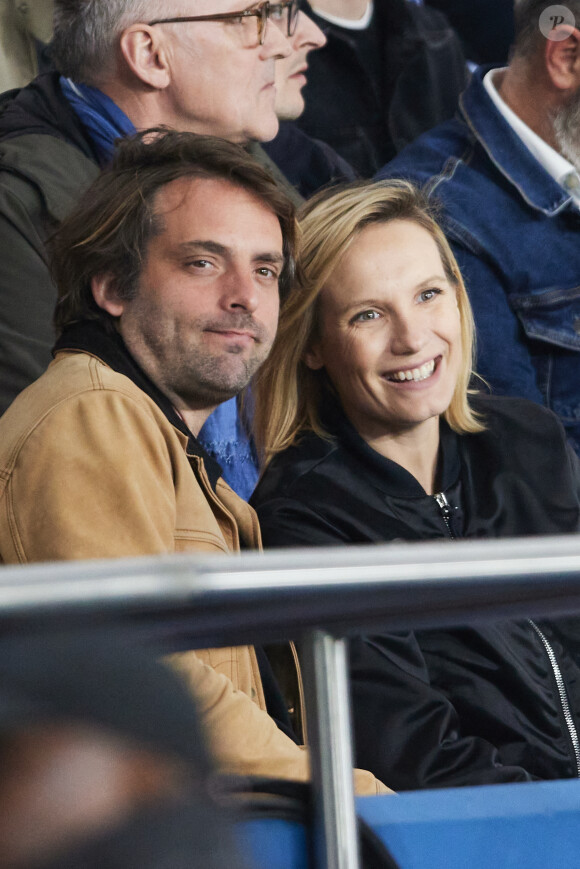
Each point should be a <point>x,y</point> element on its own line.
<point>366,316</point>
<point>429,294</point>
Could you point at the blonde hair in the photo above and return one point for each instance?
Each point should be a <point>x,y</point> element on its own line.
<point>287,392</point>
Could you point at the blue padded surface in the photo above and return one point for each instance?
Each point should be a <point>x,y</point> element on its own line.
<point>273,844</point>
<point>536,826</point>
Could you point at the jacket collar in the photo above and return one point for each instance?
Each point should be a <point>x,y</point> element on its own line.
<point>506,150</point>
<point>391,17</point>
<point>89,336</point>
<point>384,474</point>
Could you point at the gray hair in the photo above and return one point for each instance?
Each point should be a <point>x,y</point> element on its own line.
<point>529,38</point>
<point>86,33</point>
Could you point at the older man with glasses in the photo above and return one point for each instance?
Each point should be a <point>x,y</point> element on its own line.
<point>123,65</point>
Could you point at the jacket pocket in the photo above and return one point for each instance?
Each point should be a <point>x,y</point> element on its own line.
<point>551,315</point>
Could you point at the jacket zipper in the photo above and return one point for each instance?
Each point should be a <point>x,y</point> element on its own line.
<point>562,692</point>
<point>446,511</point>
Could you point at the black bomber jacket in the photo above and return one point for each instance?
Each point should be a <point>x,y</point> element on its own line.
<point>474,705</point>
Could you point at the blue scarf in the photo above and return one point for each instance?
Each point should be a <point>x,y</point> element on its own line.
<point>103,120</point>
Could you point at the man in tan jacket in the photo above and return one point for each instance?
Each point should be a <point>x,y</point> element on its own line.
<point>169,274</point>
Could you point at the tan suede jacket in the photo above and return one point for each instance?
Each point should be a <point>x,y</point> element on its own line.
<point>90,467</point>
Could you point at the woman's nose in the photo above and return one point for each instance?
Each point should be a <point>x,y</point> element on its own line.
<point>408,335</point>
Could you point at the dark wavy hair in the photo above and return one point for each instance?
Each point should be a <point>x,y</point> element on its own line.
<point>111,226</point>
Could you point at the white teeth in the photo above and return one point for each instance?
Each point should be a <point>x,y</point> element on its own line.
<point>415,374</point>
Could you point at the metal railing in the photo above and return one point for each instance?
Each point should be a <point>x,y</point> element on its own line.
<point>318,596</point>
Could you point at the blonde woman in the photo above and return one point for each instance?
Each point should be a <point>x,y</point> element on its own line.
<point>370,433</point>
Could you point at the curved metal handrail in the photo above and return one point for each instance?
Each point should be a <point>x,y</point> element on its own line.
<point>338,589</point>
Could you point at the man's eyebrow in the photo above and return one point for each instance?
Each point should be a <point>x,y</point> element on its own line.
<point>208,246</point>
<point>275,257</point>
<point>197,245</point>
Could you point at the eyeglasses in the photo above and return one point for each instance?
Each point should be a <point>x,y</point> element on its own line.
<point>288,11</point>
<point>278,12</point>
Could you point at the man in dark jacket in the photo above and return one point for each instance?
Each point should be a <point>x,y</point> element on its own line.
<point>308,164</point>
<point>390,70</point>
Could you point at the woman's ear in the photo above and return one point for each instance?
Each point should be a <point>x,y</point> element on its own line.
<point>313,357</point>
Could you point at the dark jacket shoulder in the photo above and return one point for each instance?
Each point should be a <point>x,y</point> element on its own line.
<point>341,490</point>
<point>307,163</point>
<point>40,108</point>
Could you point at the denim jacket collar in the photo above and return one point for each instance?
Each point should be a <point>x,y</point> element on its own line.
<point>505,149</point>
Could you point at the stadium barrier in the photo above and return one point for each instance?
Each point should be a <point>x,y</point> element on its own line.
<point>317,596</point>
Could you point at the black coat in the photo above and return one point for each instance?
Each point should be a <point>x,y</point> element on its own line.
<point>446,707</point>
<point>368,118</point>
<point>306,163</point>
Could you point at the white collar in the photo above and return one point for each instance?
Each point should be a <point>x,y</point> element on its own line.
<point>561,170</point>
<point>347,23</point>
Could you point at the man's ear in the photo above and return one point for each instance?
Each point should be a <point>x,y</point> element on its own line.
<point>313,357</point>
<point>106,296</point>
<point>562,58</point>
<point>144,51</point>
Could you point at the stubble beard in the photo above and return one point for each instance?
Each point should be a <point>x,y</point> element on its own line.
<point>203,376</point>
<point>187,368</point>
<point>203,380</point>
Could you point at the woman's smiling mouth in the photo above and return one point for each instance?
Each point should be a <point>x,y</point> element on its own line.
<point>416,374</point>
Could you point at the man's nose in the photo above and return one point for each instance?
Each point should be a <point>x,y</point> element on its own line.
<point>275,44</point>
<point>240,291</point>
<point>308,33</point>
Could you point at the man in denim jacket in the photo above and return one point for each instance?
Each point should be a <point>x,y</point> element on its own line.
<point>507,172</point>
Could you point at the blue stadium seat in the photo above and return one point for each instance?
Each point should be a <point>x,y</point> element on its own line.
<point>505,826</point>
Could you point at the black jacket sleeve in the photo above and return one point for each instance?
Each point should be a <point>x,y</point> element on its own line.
<point>407,731</point>
<point>285,522</point>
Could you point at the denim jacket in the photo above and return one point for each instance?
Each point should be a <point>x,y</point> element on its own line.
<point>516,235</point>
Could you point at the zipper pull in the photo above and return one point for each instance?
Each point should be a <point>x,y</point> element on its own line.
<point>443,504</point>
<point>446,511</point>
